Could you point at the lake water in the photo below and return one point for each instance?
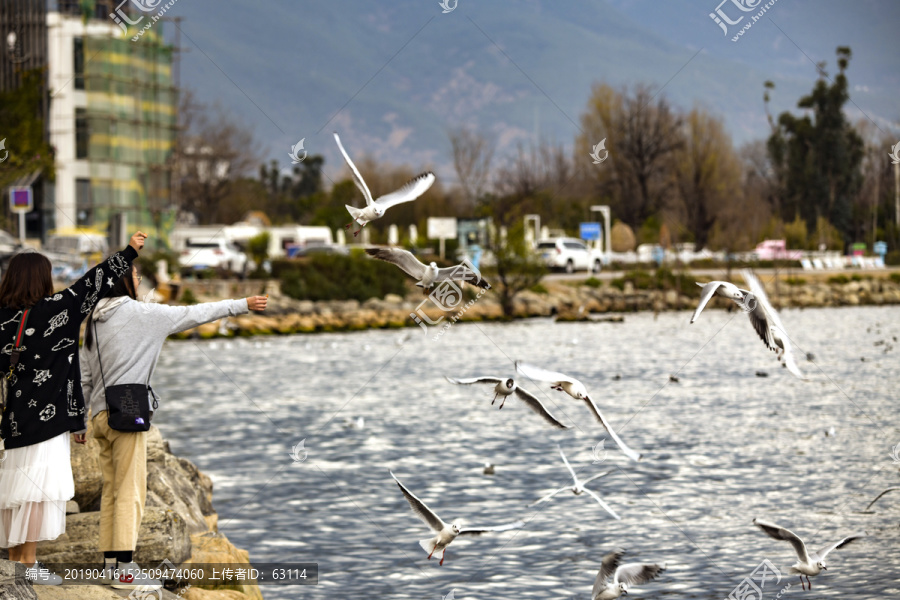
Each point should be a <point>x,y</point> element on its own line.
<point>721,446</point>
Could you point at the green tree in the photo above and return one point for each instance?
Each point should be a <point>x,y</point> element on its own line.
<point>818,156</point>
<point>258,247</point>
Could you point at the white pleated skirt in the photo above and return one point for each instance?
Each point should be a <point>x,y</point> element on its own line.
<point>35,484</point>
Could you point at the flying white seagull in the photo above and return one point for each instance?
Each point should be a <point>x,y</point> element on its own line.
<point>878,497</point>
<point>721,288</point>
<point>427,276</point>
<point>506,388</point>
<point>445,533</point>
<point>810,563</point>
<point>375,209</point>
<point>768,325</point>
<point>576,389</point>
<point>578,488</point>
<point>613,579</point>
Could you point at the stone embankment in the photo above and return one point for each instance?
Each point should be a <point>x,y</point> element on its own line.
<point>564,300</point>
<point>179,525</point>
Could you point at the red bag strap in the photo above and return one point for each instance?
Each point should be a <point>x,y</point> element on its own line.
<point>22,324</point>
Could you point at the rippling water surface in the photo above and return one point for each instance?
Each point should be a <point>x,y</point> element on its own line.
<point>721,446</point>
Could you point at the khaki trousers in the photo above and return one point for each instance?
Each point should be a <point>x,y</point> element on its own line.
<point>123,462</point>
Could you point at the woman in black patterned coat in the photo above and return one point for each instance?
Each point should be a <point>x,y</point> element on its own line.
<point>45,402</point>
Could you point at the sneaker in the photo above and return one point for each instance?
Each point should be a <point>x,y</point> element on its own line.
<point>38,574</point>
<point>106,576</point>
<point>132,577</point>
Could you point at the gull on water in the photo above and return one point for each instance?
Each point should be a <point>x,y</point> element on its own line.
<point>507,387</point>
<point>578,488</point>
<point>375,209</point>
<point>428,275</point>
<point>613,579</point>
<point>576,389</point>
<point>809,563</point>
<point>444,532</point>
<point>768,325</point>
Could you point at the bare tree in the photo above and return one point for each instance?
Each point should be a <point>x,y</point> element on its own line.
<point>472,155</point>
<point>214,150</point>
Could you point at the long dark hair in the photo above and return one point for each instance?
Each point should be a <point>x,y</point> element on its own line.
<point>27,280</point>
<point>123,287</point>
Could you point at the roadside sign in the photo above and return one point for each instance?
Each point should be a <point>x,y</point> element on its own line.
<point>880,248</point>
<point>21,199</point>
<point>589,231</point>
<point>442,228</point>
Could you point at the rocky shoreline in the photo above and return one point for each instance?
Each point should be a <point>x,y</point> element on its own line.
<point>179,525</point>
<point>566,301</point>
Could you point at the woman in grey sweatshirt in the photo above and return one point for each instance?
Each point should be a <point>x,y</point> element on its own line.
<point>130,335</point>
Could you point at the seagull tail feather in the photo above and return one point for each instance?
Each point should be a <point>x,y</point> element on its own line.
<point>428,545</point>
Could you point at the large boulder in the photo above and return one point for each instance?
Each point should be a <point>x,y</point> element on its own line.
<point>12,582</point>
<point>174,483</point>
<point>86,472</point>
<point>163,535</point>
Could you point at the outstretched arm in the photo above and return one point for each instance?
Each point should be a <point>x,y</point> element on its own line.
<point>99,281</point>
<point>180,318</point>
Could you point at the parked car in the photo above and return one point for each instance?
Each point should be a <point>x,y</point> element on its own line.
<point>8,247</point>
<point>569,254</point>
<point>77,246</point>
<point>213,254</point>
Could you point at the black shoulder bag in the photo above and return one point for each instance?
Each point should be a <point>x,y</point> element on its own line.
<point>127,408</point>
<point>7,379</point>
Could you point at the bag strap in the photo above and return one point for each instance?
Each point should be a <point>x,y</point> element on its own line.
<point>14,354</point>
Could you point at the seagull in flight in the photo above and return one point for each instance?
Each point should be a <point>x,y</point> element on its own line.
<point>720,288</point>
<point>613,579</point>
<point>375,209</point>
<point>768,325</point>
<point>507,387</point>
<point>576,389</point>
<point>578,488</point>
<point>444,532</point>
<point>809,563</point>
<point>878,497</point>
<point>427,276</point>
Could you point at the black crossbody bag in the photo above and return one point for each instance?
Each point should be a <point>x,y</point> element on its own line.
<point>127,408</point>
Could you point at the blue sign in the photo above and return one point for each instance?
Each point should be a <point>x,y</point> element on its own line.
<point>880,248</point>
<point>589,231</point>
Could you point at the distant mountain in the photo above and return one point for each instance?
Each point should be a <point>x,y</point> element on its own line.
<point>392,77</point>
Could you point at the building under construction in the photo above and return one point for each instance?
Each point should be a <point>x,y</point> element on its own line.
<point>110,114</point>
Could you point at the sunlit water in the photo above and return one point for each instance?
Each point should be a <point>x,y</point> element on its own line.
<point>721,447</point>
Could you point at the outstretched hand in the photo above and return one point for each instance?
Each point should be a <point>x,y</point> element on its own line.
<point>257,303</point>
<point>137,240</point>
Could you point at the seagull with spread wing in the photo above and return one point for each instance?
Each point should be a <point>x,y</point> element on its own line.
<point>507,387</point>
<point>444,532</point>
<point>718,288</point>
<point>375,209</point>
<point>578,488</point>
<point>576,389</point>
<point>810,563</point>
<point>429,275</point>
<point>613,579</point>
<point>768,325</point>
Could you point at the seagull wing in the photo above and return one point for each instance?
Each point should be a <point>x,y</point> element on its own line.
<point>788,355</point>
<point>426,514</point>
<point>550,495</point>
<point>538,374</point>
<point>850,538</point>
<point>568,466</point>
<point>605,506</point>
<point>471,380</point>
<point>878,497</point>
<point>763,316</point>
<point>414,188</point>
<point>637,573</point>
<point>535,405</point>
<point>780,533</point>
<point>607,569</point>
<point>706,294</point>
<point>480,530</point>
<point>357,178</point>
<point>462,273</point>
<point>597,476</point>
<point>624,447</point>
<point>402,258</point>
